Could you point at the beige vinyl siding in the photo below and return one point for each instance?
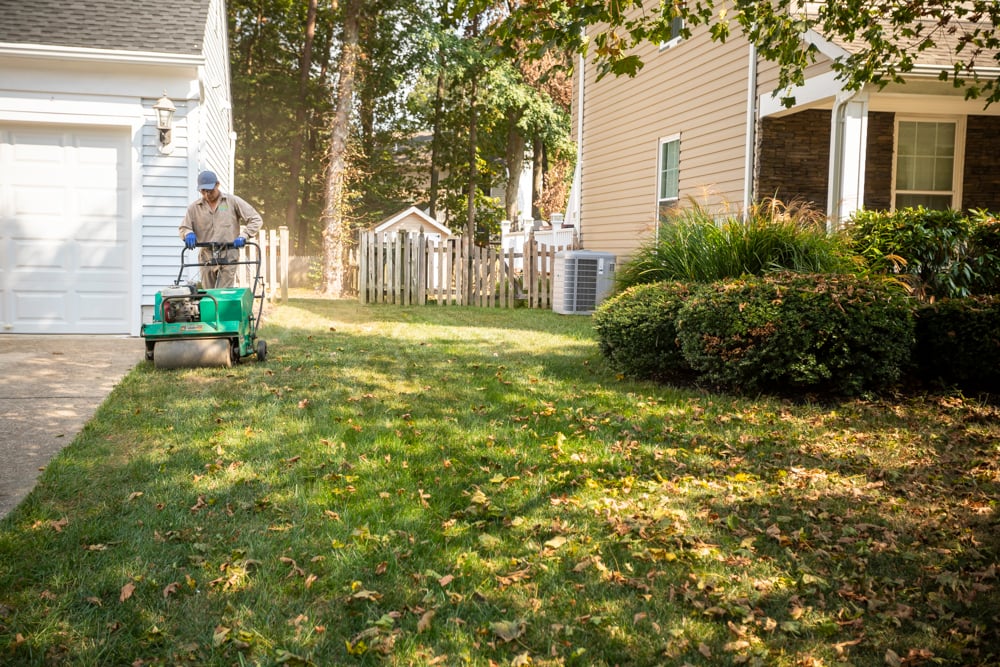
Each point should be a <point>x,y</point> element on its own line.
<point>697,90</point>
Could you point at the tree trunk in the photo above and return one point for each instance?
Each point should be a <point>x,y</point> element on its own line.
<point>335,233</point>
<point>295,161</point>
<point>515,165</point>
<point>436,136</point>
<point>432,195</point>
<point>537,177</point>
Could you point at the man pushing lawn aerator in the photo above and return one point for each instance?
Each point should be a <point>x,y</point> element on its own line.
<point>218,218</point>
<point>217,324</point>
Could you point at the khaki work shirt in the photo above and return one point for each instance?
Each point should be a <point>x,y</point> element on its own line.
<point>231,218</point>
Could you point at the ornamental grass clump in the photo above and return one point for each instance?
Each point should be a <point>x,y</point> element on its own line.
<point>696,245</point>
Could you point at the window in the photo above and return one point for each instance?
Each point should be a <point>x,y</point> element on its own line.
<point>928,163</point>
<point>668,175</point>
<point>676,25</point>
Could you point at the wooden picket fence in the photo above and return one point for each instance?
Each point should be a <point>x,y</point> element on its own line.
<point>275,250</point>
<point>410,269</point>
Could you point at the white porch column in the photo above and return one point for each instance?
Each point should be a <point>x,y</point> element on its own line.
<point>848,141</point>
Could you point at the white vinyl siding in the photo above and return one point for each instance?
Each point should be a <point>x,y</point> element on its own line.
<point>927,169</point>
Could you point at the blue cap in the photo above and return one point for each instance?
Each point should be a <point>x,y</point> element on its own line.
<point>207,180</point>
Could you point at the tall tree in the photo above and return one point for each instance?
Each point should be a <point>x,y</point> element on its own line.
<point>335,232</point>
<point>300,132</point>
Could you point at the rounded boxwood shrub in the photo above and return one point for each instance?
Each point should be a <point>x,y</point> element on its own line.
<point>838,334</point>
<point>636,332</point>
<point>958,343</point>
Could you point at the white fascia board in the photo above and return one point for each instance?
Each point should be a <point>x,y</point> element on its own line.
<point>99,55</point>
<point>825,46</point>
<point>823,87</point>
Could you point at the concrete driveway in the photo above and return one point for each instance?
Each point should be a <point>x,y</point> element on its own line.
<point>49,387</point>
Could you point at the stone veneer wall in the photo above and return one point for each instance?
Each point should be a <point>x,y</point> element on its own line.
<point>878,165</point>
<point>793,157</point>
<point>982,163</point>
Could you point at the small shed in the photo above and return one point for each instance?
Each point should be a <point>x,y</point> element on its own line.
<point>413,220</point>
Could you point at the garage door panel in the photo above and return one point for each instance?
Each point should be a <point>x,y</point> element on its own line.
<point>101,305</point>
<point>32,256</point>
<point>38,201</point>
<point>97,256</point>
<point>49,307</point>
<point>65,230</point>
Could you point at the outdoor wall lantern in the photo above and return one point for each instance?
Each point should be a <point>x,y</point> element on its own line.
<point>165,109</point>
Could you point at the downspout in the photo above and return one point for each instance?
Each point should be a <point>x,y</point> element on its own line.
<point>751,126</point>
<point>578,170</point>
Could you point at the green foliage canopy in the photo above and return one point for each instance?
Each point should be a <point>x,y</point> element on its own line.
<point>886,38</point>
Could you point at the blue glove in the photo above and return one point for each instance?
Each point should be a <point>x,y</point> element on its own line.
<point>239,242</point>
<point>190,240</point>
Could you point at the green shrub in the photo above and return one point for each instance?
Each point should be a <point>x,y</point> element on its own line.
<point>838,334</point>
<point>695,246</point>
<point>985,251</point>
<point>934,252</point>
<point>958,343</point>
<point>636,331</point>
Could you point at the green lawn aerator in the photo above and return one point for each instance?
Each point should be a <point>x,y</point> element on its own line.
<point>196,328</point>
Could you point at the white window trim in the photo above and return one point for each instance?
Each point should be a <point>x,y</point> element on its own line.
<point>671,43</point>
<point>659,170</point>
<point>958,168</point>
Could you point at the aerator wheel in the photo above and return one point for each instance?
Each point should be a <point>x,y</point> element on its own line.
<point>261,350</point>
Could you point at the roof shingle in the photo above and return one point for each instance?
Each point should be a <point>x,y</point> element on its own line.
<point>120,25</point>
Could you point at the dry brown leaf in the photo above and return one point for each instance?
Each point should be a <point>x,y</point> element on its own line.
<point>425,621</point>
<point>170,589</point>
<point>126,592</point>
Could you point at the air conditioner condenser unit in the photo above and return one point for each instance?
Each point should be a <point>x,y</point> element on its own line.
<point>581,279</point>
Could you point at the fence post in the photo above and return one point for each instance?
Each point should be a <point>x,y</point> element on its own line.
<point>285,252</point>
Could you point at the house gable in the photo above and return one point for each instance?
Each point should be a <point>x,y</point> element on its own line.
<point>75,68</point>
<point>116,25</point>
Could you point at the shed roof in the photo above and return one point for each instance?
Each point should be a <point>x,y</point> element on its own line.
<point>176,27</point>
<point>417,213</point>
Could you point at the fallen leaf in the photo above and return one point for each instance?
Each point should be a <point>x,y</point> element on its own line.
<point>556,542</point>
<point>425,621</point>
<point>445,580</point>
<point>170,589</point>
<point>371,596</point>
<point>508,630</point>
<point>220,635</point>
<point>126,592</point>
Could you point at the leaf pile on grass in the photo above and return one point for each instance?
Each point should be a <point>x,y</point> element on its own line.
<point>419,486</point>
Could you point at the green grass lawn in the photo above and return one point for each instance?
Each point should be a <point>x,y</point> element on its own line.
<point>452,486</point>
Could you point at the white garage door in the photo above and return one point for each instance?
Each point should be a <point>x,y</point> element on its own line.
<point>64,229</point>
